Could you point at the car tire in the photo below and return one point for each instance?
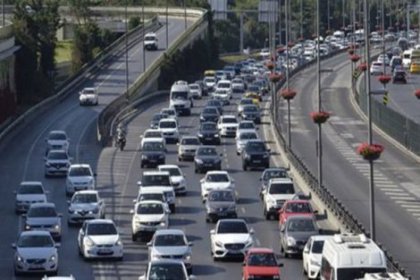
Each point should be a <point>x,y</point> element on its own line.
<point>266,214</point>
<point>244,167</point>
<point>179,159</point>
<point>142,165</point>
<point>133,237</point>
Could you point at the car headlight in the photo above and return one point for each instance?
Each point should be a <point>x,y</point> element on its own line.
<point>57,227</point>
<point>249,242</point>
<point>71,211</point>
<point>217,160</point>
<point>187,257</point>
<point>200,134</point>
<point>265,155</point>
<point>291,241</point>
<point>216,135</point>
<point>47,164</point>
<point>19,259</point>
<point>95,210</point>
<point>144,156</point>
<point>162,224</point>
<point>219,244</point>
<point>118,243</point>
<point>88,242</point>
<point>90,182</point>
<point>161,156</point>
<point>27,227</point>
<point>271,201</point>
<point>53,258</point>
<point>156,256</point>
<point>247,156</point>
<point>199,161</point>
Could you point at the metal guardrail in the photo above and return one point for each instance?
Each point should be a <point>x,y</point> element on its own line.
<point>66,88</point>
<point>334,205</point>
<point>105,122</point>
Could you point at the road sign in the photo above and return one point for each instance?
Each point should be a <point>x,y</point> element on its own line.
<point>219,8</point>
<point>268,11</point>
<point>385,98</point>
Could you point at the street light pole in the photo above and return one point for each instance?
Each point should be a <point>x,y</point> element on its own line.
<point>126,48</point>
<point>144,33</point>
<point>167,22</point>
<point>328,15</point>
<point>369,105</point>
<point>344,13</point>
<point>289,125</point>
<point>318,65</point>
<point>185,15</point>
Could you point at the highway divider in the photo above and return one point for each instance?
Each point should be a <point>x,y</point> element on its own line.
<point>73,82</point>
<point>146,83</point>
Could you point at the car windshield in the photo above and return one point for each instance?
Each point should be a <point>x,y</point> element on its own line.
<point>85,198</point>
<point>190,141</point>
<point>170,240</point>
<point>153,146</point>
<point>167,271</point>
<point>283,188</point>
<point>298,207</point>
<point>101,229</point>
<point>221,196</point>
<point>248,136</point>
<point>79,171</point>
<point>173,171</point>
<point>168,112</point>
<point>208,126</point>
<point>180,95</point>
<point>41,212</point>
<point>223,85</point>
<point>194,87</point>
<point>167,124</point>
<point>207,152</point>
<point>237,81</point>
<point>262,259</point>
<point>299,225</point>
<point>150,208</point>
<point>30,241</point>
<point>149,38</point>
<point>229,120</point>
<point>317,247</point>
<point>246,125</point>
<point>57,136</point>
<point>274,174</point>
<point>57,156</point>
<point>232,227</point>
<point>31,189</point>
<point>250,109</point>
<point>151,196</point>
<point>209,80</point>
<point>210,111</point>
<point>217,177</point>
<point>88,91</point>
<point>158,117</point>
<point>156,180</point>
<point>256,147</point>
<point>214,103</point>
<point>153,134</point>
<point>253,88</point>
<point>245,101</point>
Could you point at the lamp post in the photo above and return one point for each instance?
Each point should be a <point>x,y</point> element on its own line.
<point>318,65</point>
<point>185,15</point>
<point>126,48</point>
<point>144,33</point>
<point>167,22</point>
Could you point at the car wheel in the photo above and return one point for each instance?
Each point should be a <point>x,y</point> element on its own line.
<point>179,158</point>
<point>215,258</point>
<point>133,237</point>
<point>244,167</point>
<point>189,270</point>
<point>266,215</point>
<point>142,165</point>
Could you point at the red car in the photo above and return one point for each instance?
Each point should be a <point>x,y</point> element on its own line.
<point>295,207</point>
<point>261,262</point>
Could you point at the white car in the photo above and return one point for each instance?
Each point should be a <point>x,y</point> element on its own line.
<point>85,205</point>
<point>223,95</point>
<point>150,41</point>
<point>170,112</point>
<point>243,137</point>
<point>99,238</point>
<point>151,133</point>
<point>196,91</point>
<point>238,85</point>
<point>312,255</point>
<point>278,191</point>
<point>178,180</point>
<point>152,193</point>
<point>57,140</point>
<point>230,238</point>
<point>35,252</point>
<point>88,96</point>
<point>227,125</point>
<point>57,162</point>
<point>215,180</point>
<point>28,193</point>
<point>148,216</point>
<point>44,216</point>
<point>377,68</point>
<point>187,147</point>
<point>169,128</point>
<point>166,269</point>
<point>265,53</point>
<point>79,177</point>
<point>247,126</point>
<point>210,82</point>
<point>383,58</point>
<point>171,243</point>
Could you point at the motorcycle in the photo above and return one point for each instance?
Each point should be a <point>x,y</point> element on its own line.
<point>121,141</point>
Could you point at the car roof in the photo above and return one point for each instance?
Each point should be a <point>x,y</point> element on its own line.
<point>58,132</point>
<point>89,88</point>
<point>260,250</point>
<point>232,221</point>
<point>154,139</point>
<point>99,221</point>
<point>30,183</point>
<point>152,190</point>
<point>150,34</point>
<point>228,117</point>
<point>168,166</point>
<point>217,172</point>
<point>42,204</point>
<point>80,165</point>
<point>169,231</point>
<point>149,202</point>
<point>281,180</point>
<point>155,172</point>
<point>87,192</point>
<point>321,237</point>
<point>167,120</point>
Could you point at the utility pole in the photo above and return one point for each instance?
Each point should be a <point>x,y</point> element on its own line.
<point>126,48</point>
<point>241,33</point>
<point>167,23</point>
<point>144,33</point>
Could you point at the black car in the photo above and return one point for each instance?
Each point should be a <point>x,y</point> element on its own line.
<point>153,153</point>
<point>255,154</point>
<point>208,133</point>
<point>204,88</point>
<point>220,204</point>
<point>154,122</point>
<point>209,114</point>
<point>216,103</point>
<point>251,113</point>
<point>207,158</point>
<point>399,76</point>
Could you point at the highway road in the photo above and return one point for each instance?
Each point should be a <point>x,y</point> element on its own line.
<point>346,174</point>
<point>22,159</point>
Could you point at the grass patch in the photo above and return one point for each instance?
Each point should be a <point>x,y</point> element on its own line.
<point>63,51</point>
<point>230,59</point>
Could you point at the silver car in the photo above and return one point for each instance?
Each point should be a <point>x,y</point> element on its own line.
<point>242,138</point>
<point>43,216</point>
<point>57,162</point>
<point>79,177</point>
<point>295,232</point>
<point>171,244</point>
<point>35,252</point>
<point>57,140</point>
<point>28,193</point>
<point>85,205</point>
<point>187,147</point>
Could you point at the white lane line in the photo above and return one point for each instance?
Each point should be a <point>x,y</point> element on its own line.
<point>392,190</point>
<point>243,210</point>
<point>410,205</point>
<point>397,194</point>
<point>79,141</point>
<point>413,210</point>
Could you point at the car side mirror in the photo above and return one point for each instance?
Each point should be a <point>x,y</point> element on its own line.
<point>282,229</point>
<point>212,231</point>
<point>24,215</point>
<point>95,174</point>
<point>81,232</point>
<point>251,231</point>
<point>45,158</point>
<point>70,158</point>
<point>306,250</point>
<point>139,183</point>
<point>269,150</point>
<point>149,244</point>
<point>202,180</point>
<point>193,277</point>
<point>132,211</point>
<point>281,264</point>
<point>190,244</point>
<point>57,245</point>
<point>134,200</point>
<point>14,245</point>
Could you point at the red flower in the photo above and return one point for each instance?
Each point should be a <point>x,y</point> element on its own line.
<point>351,51</point>
<point>370,152</point>
<point>269,64</point>
<point>275,77</point>
<point>355,57</point>
<point>362,66</point>
<point>417,93</point>
<point>290,44</point>
<point>281,49</point>
<point>384,79</point>
<point>288,93</point>
<point>320,117</point>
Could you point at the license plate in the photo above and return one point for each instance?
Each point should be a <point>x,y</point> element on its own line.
<point>222,214</point>
<point>104,251</point>
<point>208,138</point>
<point>208,164</point>
<point>257,161</point>
<point>37,266</point>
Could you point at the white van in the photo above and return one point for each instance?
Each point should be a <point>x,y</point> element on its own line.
<point>406,58</point>
<point>181,98</point>
<point>349,256</point>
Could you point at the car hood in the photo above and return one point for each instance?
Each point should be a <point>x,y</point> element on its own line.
<point>104,239</point>
<point>152,152</point>
<point>189,147</point>
<point>215,131</point>
<point>220,204</point>
<point>53,161</point>
<point>281,196</point>
<point>170,250</point>
<point>42,221</point>
<point>302,235</point>
<point>203,157</point>
<point>232,237</point>
<point>176,179</point>
<point>84,206</point>
<point>150,217</point>
<point>80,179</point>
<point>263,270</point>
<point>57,142</point>
<point>217,185</point>
<point>36,253</point>
<point>229,125</point>
<point>31,197</point>
<point>90,95</point>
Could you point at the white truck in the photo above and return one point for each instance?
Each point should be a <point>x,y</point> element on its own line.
<point>181,98</point>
